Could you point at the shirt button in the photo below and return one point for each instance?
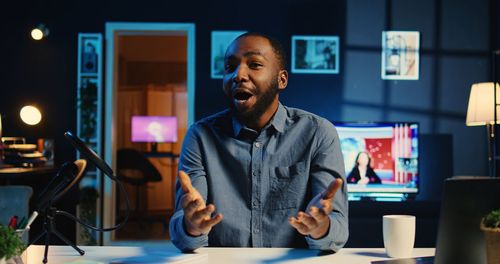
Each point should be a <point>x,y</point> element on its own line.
<point>256,230</point>
<point>255,204</point>
<point>258,144</point>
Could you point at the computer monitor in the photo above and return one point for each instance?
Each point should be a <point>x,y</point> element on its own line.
<point>154,129</point>
<point>381,159</point>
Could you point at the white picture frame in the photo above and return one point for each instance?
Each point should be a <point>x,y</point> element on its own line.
<point>220,42</point>
<point>400,55</point>
<point>315,54</point>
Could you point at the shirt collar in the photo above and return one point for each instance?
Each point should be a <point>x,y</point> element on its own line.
<point>278,121</point>
<point>237,126</point>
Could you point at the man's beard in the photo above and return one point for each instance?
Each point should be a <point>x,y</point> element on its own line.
<point>262,103</point>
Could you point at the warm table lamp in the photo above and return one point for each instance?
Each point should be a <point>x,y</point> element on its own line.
<point>30,115</point>
<point>481,112</point>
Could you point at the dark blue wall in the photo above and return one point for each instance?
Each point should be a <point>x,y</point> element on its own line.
<point>457,37</point>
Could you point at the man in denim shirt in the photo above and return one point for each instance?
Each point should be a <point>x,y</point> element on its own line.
<point>275,174</point>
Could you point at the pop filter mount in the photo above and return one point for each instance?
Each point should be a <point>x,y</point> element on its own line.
<point>62,183</point>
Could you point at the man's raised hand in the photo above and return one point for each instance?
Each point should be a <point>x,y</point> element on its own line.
<point>198,218</point>
<point>315,221</point>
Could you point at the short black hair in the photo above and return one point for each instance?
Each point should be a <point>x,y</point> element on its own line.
<point>278,49</point>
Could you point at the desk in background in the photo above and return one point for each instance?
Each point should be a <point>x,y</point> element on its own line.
<point>10,175</point>
<point>157,254</point>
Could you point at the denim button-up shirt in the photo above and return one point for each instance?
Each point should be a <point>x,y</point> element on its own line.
<point>259,180</point>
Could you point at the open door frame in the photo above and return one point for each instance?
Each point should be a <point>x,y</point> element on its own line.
<point>114,30</point>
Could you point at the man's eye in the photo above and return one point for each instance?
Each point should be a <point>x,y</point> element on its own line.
<point>255,65</point>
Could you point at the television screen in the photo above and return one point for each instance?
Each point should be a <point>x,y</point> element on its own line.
<point>381,159</point>
<point>156,129</point>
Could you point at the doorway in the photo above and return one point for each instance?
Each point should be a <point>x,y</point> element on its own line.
<point>149,72</point>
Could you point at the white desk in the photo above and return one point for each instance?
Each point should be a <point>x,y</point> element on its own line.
<point>66,254</point>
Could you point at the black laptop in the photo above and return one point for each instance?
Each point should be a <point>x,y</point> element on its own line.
<point>465,201</point>
<point>460,241</point>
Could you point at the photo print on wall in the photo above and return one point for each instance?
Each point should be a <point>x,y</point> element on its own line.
<point>315,54</point>
<point>220,42</point>
<point>400,55</point>
<point>90,50</point>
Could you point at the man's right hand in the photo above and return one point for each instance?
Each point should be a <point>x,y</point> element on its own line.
<point>198,218</point>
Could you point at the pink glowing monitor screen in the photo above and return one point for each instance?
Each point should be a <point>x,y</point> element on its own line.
<point>154,129</point>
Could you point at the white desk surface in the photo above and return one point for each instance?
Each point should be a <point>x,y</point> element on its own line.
<point>157,254</point>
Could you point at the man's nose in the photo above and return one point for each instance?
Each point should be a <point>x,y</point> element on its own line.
<point>240,74</point>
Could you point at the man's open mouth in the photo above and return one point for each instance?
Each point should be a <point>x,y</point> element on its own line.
<point>242,95</point>
<point>243,99</point>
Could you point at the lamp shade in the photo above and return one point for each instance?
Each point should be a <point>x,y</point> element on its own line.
<point>30,115</point>
<point>481,105</point>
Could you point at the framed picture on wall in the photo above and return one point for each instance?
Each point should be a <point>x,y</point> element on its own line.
<point>220,42</point>
<point>400,55</point>
<point>315,54</point>
<point>90,51</point>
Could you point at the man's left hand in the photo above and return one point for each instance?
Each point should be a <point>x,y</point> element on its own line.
<point>315,221</point>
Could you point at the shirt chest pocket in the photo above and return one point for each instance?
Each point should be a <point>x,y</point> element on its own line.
<point>288,185</point>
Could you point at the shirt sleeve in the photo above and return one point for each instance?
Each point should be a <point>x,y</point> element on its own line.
<point>326,165</point>
<point>190,161</point>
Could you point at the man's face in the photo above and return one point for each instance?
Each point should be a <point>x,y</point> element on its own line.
<point>251,78</point>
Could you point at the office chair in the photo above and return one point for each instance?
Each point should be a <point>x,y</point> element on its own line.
<point>135,169</point>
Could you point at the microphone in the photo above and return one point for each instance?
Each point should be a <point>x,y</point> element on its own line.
<point>89,154</point>
<point>67,176</point>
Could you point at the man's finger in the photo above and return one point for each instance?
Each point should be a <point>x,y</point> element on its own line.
<point>186,199</point>
<point>185,182</point>
<point>308,221</point>
<point>208,224</point>
<point>332,189</point>
<point>191,208</point>
<point>318,215</point>
<point>203,214</point>
<point>301,228</point>
<point>326,206</point>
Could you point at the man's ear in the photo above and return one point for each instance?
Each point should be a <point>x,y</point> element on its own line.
<point>282,79</point>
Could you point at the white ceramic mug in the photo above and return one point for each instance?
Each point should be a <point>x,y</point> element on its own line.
<point>399,235</point>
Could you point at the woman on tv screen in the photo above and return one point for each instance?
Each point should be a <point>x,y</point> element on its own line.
<point>362,172</point>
